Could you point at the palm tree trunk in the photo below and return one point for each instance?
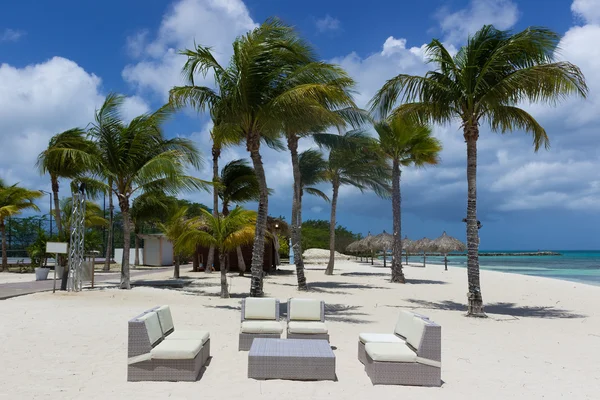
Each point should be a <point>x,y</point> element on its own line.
<point>4,255</point>
<point>241,262</point>
<point>475,300</point>
<point>397,273</point>
<point>196,260</point>
<point>61,259</point>
<point>111,212</point>
<point>137,250</point>
<point>258,248</point>
<point>334,197</point>
<point>125,278</point>
<point>176,267</point>
<point>223,267</point>
<point>296,213</point>
<point>216,153</point>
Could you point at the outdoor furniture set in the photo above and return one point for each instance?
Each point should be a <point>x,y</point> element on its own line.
<point>411,355</point>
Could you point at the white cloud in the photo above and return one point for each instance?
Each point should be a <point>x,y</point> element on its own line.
<point>214,23</point>
<point>588,10</point>
<point>457,26</point>
<point>11,35</point>
<point>328,24</point>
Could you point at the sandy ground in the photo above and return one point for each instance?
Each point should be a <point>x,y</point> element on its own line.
<point>542,339</point>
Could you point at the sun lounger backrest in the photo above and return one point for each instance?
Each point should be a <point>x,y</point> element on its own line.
<point>152,325</point>
<point>260,309</point>
<point>166,319</point>
<point>414,332</point>
<point>404,322</point>
<point>306,310</point>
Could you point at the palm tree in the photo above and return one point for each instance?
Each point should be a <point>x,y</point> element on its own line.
<point>311,171</point>
<point>238,185</point>
<point>93,214</point>
<point>173,229</point>
<point>355,160</point>
<point>146,208</point>
<point>270,78</point>
<point>485,81</point>
<point>13,200</point>
<point>405,143</point>
<point>135,158</point>
<point>224,232</point>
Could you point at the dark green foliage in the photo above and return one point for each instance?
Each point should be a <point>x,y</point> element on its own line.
<point>315,235</point>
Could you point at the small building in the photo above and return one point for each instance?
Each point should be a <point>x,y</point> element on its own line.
<point>158,250</point>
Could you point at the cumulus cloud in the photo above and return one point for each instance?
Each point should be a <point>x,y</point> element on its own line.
<point>328,24</point>
<point>458,25</point>
<point>11,35</point>
<point>588,10</point>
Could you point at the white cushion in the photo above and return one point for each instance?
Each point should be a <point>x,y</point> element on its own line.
<point>165,318</point>
<point>262,327</point>
<point>152,326</point>
<point>304,310</point>
<point>390,352</point>
<point>307,327</point>
<point>257,308</point>
<point>177,350</point>
<point>380,338</point>
<point>404,321</point>
<point>415,332</point>
<point>203,336</point>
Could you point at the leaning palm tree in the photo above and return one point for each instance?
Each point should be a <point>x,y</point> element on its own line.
<point>485,81</point>
<point>173,230</point>
<point>238,185</point>
<point>356,161</point>
<point>405,143</point>
<point>135,158</point>
<point>270,77</point>
<point>226,233</point>
<point>13,200</point>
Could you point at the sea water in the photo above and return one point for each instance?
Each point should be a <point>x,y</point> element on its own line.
<point>577,266</point>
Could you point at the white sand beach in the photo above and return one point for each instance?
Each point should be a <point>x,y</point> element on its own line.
<point>541,340</point>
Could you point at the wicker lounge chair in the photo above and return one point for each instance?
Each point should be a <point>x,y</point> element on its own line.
<point>417,361</point>
<point>152,356</point>
<point>260,319</point>
<point>306,319</point>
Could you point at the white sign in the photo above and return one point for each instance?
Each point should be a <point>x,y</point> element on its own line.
<point>56,247</point>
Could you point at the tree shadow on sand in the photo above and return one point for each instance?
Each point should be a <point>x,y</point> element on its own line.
<point>511,309</point>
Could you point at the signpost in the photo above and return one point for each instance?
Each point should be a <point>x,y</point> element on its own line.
<point>56,248</point>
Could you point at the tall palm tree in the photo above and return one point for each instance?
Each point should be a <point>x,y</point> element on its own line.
<point>238,185</point>
<point>173,230</point>
<point>136,157</point>
<point>485,81</point>
<point>270,77</point>
<point>224,232</point>
<point>405,143</point>
<point>13,200</point>
<point>355,160</point>
<point>311,171</point>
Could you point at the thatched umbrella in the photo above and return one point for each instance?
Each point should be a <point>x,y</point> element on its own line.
<point>368,243</point>
<point>423,245</point>
<point>445,244</point>
<point>353,248</point>
<point>384,241</point>
<point>406,245</point>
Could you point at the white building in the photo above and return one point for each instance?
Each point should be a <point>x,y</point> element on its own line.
<point>157,251</point>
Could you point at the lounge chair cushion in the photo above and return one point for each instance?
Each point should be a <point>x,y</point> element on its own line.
<point>273,327</point>
<point>390,352</point>
<point>404,322</point>
<point>165,318</point>
<point>304,310</point>
<point>177,350</point>
<point>415,332</point>
<point>203,336</point>
<point>308,327</point>
<point>263,309</point>
<point>152,326</point>
<point>380,338</point>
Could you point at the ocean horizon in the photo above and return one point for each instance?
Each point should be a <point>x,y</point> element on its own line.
<point>581,266</point>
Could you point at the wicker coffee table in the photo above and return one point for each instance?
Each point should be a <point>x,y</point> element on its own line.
<point>302,359</point>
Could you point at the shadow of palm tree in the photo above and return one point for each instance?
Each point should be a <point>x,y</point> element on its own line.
<point>425,282</point>
<point>511,309</point>
<point>364,274</point>
<point>343,285</point>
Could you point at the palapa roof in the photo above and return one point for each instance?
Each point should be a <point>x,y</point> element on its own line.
<point>445,244</point>
<point>424,244</point>
<point>383,241</point>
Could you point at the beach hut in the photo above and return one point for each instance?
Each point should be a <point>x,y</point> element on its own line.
<point>445,244</point>
<point>157,251</point>
<point>384,241</point>
<point>423,245</point>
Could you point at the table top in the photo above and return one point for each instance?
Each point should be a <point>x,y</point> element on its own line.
<point>265,347</point>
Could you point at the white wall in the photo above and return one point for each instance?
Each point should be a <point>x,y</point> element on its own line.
<point>119,256</point>
<point>167,252</point>
<point>152,251</point>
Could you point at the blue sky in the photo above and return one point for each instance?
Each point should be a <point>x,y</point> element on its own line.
<point>59,59</point>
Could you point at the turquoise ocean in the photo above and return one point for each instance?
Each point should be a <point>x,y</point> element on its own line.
<point>577,266</point>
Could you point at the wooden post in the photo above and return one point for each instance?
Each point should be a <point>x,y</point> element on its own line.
<point>55,265</point>
<point>93,268</point>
